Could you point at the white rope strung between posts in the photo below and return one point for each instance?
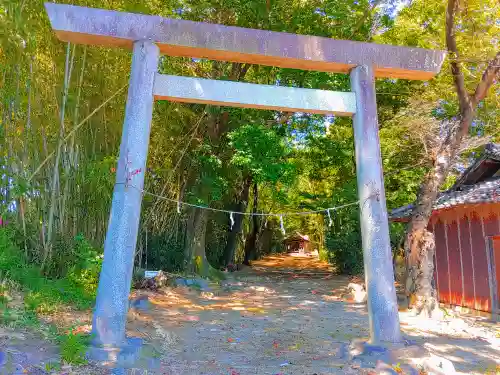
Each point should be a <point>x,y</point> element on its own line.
<point>181,203</point>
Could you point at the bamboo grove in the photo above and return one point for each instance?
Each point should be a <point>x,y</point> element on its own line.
<point>62,109</point>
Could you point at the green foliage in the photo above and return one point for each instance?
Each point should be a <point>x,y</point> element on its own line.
<point>5,312</point>
<point>346,253</point>
<point>397,235</point>
<point>85,272</point>
<point>211,183</point>
<point>52,366</point>
<point>73,348</point>
<point>164,252</point>
<point>45,296</point>
<point>262,153</point>
<point>215,274</point>
<point>343,242</point>
<point>422,24</point>
<point>42,295</point>
<point>216,239</point>
<point>202,154</point>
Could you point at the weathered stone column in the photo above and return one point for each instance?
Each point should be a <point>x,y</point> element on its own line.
<point>110,314</point>
<point>379,273</point>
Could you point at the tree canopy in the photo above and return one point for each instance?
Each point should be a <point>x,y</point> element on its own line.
<point>62,109</point>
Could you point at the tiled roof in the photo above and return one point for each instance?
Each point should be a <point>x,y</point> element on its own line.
<point>297,236</point>
<point>482,168</point>
<point>478,184</point>
<point>483,192</point>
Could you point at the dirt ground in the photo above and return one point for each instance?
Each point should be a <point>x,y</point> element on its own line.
<point>288,315</point>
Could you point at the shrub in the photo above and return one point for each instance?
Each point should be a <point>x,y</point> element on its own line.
<point>85,272</point>
<point>345,252</point>
<point>73,348</point>
<point>42,295</point>
<point>165,253</point>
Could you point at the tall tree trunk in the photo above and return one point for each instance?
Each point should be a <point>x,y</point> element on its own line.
<point>194,246</point>
<point>239,206</point>
<point>195,242</point>
<point>419,242</point>
<point>199,246</point>
<point>189,239</point>
<point>251,242</point>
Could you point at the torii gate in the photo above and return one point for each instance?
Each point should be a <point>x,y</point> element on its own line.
<point>150,36</point>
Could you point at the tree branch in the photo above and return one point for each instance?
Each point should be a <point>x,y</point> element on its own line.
<point>235,71</point>
<point>362,20</point>
<point>451,44</point>
<point>487,80</point>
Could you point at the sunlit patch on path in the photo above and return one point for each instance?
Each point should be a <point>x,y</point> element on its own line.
<point>288,315</point>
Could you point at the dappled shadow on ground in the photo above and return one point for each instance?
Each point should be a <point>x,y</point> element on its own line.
<point>287,315</point>
<point>471,343</point>
<point>258,322</point>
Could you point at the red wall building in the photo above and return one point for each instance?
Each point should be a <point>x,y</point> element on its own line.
<point>466,225</point>
<point>297,243</point>
<point>466,239</point>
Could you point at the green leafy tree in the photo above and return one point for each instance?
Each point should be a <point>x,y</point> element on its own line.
<point>261,157</point>
<point>453,114</point>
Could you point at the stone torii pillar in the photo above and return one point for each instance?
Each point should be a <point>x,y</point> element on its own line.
<point>149,36</point>
<point>379,272</point>
<point>111,308</point>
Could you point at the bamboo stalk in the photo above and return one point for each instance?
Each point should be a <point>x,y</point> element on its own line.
<point>55,175</point>
<point>28,129</point>
<point>80,124</point>
<point>71,164</point>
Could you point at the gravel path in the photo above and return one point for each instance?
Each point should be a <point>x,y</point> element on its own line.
<point>292,317</point>
<point>284,316</point>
